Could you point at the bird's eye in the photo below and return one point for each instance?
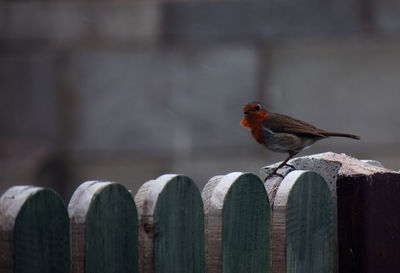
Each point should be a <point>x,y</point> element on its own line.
<point>258,107</point>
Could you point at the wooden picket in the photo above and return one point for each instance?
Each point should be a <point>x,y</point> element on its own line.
<point>104,229</point>
<point>237,223</point>
<point>171,233</point>
<point>34,231</point>
<point>303,225</point>
<point>328,169</point>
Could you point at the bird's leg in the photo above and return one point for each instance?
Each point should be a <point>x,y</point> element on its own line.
<point>291,155</point>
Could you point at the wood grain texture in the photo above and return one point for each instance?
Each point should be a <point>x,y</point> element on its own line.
<point>303,225</point>
<point>104,229</point>
<point>171,233</point>
<point>369,223</point>
<point>237,224</point>
<point>34,231</point>
<point>212,226</point>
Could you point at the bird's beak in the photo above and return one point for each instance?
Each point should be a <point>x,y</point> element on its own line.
<point>246,112</point>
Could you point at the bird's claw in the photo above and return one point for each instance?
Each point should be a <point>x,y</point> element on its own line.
<point>290,166</point>
<point>275,172</point>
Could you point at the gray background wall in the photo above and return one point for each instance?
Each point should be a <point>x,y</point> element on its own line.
<point>127,91</point>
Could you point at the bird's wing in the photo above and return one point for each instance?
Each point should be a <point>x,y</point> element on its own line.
<point>278,123</point>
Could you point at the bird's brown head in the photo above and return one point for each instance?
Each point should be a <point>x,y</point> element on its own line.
<point>254,114</point>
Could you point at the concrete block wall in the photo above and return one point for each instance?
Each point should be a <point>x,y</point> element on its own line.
<point>127,91</point>
<point>163,100</point>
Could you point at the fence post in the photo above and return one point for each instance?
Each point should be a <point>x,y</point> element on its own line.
<point>328,169</point>
<point>104,229</point>
<point>302,225</point>
<point>171,226</point>
<point>368,216</point>
<point>34,231</point>
<point>237,224</point>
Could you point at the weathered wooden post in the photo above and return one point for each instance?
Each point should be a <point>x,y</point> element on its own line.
<point>237,224</point>
<point>104,229</point>
<point>368,216</point>
<point>34,231</point>
<point>171,229</point>
<point>302,238</point>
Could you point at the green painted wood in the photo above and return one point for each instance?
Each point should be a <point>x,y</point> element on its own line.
<point>41,234</point>
<point>111,232</point>
<point>246,226</point>
<point>309,224</point>
<point>179,227</point>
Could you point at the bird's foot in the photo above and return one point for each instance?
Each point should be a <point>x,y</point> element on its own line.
<point>275,172</point>
<point>290,166</point>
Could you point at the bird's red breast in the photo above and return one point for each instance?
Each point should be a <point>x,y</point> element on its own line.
<point>254,115</point>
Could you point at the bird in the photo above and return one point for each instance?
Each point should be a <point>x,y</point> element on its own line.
<point>281,133</point>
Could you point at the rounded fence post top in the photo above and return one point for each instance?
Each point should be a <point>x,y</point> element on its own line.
<point>80,200</point>
<point>34,227</point>
<point>147,195</point>
<point>158,184</point>
<point>289,181</point>
<point>222,187</point>
<point>12,201</point>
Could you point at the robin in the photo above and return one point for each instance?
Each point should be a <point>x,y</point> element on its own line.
<point>281,133</point>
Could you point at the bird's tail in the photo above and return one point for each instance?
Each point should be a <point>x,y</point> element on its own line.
<point>327,133</point>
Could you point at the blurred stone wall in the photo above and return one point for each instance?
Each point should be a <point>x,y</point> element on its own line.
<point>127,91</point>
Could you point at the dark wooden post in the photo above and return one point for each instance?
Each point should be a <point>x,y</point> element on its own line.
<point>368,217</point>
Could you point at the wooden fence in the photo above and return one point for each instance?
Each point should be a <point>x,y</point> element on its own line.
<point>237,224</point>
